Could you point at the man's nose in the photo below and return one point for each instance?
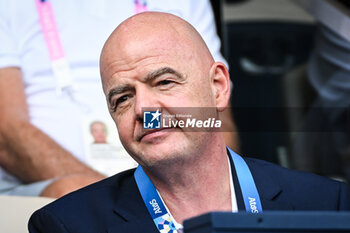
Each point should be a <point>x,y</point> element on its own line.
<point>146,99</point>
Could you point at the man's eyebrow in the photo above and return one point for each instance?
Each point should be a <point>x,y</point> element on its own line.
<point>149,77</point>
<point>118,90</point>
<point>164,70</point>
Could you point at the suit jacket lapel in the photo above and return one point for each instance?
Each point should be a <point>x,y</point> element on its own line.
<point>268,188</point>
<point>131,208</point>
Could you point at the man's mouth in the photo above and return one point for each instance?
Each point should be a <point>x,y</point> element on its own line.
<point>148,133</point>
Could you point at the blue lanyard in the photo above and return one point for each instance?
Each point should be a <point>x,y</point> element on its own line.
<point>159,213</point>
<point>153,202</point>
<point>246,181</point>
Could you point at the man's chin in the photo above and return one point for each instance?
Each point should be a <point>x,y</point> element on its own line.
<point>152,154</point>
<point>158,146</point>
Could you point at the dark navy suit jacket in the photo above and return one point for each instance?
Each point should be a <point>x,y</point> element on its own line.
<point>115,205</point>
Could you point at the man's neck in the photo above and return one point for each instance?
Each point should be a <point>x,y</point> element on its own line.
<point>196,187</point>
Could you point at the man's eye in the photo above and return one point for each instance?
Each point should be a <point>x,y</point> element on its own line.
<point>164,82</point>
<point>119,101</point>
<point>122,99</point>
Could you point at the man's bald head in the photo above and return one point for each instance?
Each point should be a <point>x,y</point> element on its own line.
<point>153,31</point>
<point>158,60</point>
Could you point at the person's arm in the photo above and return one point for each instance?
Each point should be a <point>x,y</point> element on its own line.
<point>25,151</point>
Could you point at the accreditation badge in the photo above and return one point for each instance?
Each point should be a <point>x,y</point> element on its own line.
<point>104,151</point>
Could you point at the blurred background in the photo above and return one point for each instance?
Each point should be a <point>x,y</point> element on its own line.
<point>268,45</point>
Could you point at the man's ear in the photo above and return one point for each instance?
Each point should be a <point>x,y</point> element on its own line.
<point>220,78</point>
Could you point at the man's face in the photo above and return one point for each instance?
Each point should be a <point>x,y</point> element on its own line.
<point>158,74</point>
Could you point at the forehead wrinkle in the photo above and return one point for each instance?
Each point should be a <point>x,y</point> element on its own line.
<point>163,70</point>
<point>129,66</point>
<point>120,69</point>
<point>108,67</point>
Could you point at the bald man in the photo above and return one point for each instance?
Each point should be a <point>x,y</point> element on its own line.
<point>159,61</point>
